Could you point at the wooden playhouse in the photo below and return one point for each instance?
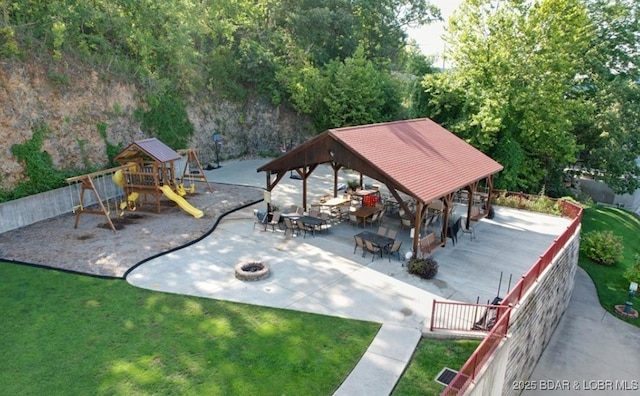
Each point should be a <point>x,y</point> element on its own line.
<point>153,166</point>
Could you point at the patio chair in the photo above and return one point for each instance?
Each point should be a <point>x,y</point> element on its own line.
<point>373,249</point>
<point>275,221</point>
<point>381,216</point>
<point>405,223</point>
<point>373,219</point>
<point>305,228</point>
<point>289,226</point>
<point>392,234</point>
<point>382,231</point>
<point>395,249</point>
<point>261,218</point>
<point>325,226</point>
<point>353,219</point>
<point>359,243</point>
<point>471,231</point>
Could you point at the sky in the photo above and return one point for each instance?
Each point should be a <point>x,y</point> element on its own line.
<point>429,37</point>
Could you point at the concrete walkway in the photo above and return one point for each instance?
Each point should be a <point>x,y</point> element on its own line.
<point>591,351</point>
<point>322,274</point>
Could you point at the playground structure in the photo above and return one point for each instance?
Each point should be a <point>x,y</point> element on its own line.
<point>103,189</point>
<point>192,168</point>
<point>145,176</point>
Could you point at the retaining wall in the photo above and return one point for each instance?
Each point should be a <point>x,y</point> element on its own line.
<point>22,212</point>
<point>535,319</point>
<point>533,322</point>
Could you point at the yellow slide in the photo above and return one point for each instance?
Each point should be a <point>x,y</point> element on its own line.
<point>181,202</point>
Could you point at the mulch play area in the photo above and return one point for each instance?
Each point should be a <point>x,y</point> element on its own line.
<point>93,248</point>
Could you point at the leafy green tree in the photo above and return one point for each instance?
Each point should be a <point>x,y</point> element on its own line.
<point>353,92</point>
<point>611,85</point>
<point>515,62</point>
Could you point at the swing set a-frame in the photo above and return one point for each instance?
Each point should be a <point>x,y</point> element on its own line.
<point>88,182</point>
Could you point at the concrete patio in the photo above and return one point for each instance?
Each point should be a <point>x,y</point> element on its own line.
<point>321,274</point>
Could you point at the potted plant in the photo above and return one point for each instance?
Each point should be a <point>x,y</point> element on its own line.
<point>426,268</point>
<point>352,184</point>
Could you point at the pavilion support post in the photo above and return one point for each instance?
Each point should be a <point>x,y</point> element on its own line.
<point>489,190</point>
<point>336,167</point>
<point>471,188</point>
<point>305,175</point>
<point>445,222</point>
<point>417,226</point>
<point>269,190</point>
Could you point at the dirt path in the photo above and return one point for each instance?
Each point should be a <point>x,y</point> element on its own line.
<point>93,248</point>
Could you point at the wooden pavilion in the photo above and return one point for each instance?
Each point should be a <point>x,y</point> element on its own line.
<point>416,157</point>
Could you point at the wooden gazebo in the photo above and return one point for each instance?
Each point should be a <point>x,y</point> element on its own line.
<point>416,157</point>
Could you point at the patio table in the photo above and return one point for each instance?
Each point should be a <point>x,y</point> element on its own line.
<point>364,212</point>
<point>383,242</point>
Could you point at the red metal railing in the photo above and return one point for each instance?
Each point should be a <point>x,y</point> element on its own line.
<point>476,361</point>
<point>462,316</point>
<point>468,372</point>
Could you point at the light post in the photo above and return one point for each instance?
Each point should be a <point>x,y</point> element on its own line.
<point>216,146</point>
<point>628,306</point>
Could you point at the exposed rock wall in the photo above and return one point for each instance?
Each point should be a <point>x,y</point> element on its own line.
<point>72,101</point>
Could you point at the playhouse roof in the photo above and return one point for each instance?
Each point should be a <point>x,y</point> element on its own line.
<point>152,148</point>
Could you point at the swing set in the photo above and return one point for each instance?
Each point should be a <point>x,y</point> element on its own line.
<point>192,170</point>
<point>104,190</point>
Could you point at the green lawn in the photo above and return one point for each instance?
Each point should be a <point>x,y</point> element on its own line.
<point>430,357</point>
<point>611,285</point>
<point>65,334</point>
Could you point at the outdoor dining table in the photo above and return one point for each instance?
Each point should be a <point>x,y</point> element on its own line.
<point>364,212</point>
<point>337,201</point>
<point>383,242</point>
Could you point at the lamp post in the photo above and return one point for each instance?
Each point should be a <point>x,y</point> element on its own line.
<point>628,306</point>
<point>216,146</point>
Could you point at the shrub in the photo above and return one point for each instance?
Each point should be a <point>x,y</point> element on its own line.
<point>632,274</point>
<point>426,268</point>
<point>603,247</point>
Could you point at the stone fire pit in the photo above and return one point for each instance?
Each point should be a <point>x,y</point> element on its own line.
<point>252,271</point>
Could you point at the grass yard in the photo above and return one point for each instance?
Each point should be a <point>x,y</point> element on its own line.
<point>66,334</point>
<point>609,280</point>
<point>431,356</point>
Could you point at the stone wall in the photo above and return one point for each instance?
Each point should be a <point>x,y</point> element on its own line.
<point>532,324</point>
<point>535,319</point>
<point>73,113</point>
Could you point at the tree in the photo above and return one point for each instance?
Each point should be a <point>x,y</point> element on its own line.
<point>515,61</point>
<point>611,137</point>
<point>353,92</point>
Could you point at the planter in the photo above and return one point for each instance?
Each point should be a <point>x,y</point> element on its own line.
<point>426,268</point>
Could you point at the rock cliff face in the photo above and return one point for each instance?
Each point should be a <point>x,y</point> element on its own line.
<point>73,101</point>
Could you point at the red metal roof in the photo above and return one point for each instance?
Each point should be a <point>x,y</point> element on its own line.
<point>152,147</point>
<point>424,158</point>
<point>417,157</point>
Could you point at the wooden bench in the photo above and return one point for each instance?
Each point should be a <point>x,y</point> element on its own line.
<point>429,244</point>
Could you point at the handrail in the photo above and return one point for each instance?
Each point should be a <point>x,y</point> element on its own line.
<point>476,361</point>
